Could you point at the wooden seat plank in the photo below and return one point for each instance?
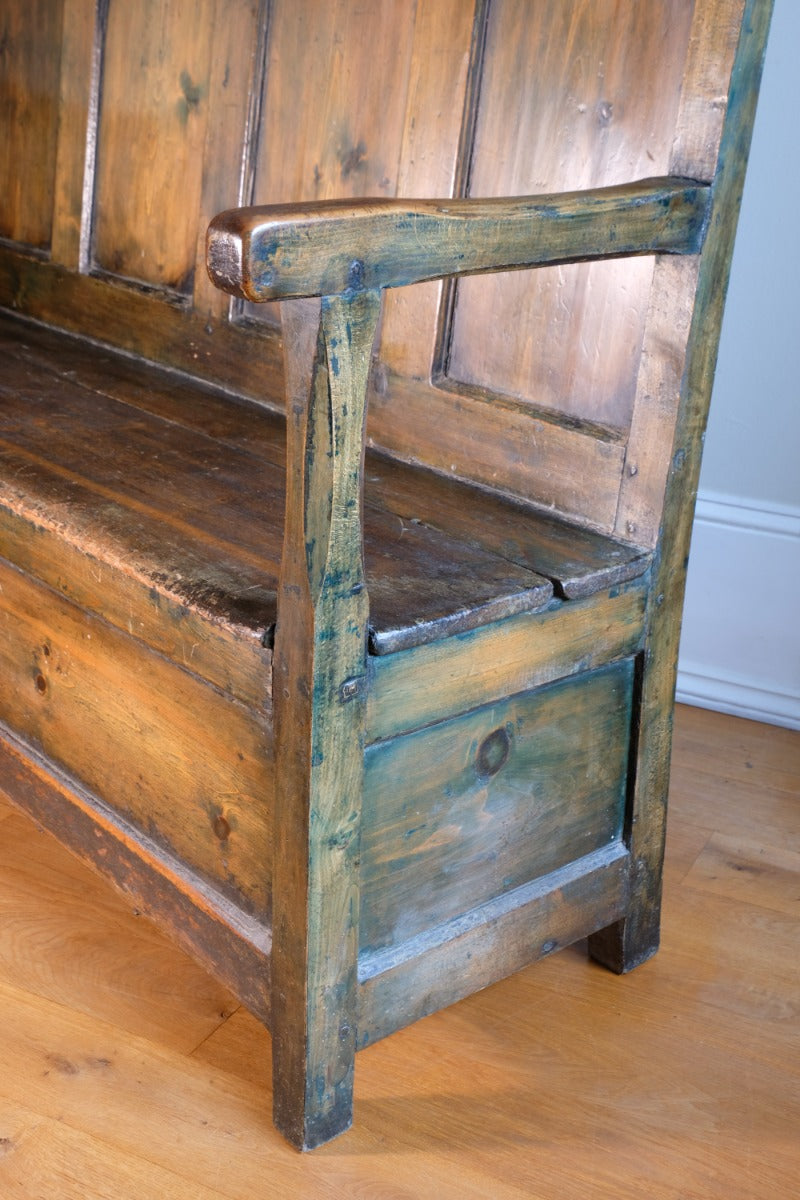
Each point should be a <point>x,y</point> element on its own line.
<point>578,561</point>
<point>200,516</point>
<point>184,400</point>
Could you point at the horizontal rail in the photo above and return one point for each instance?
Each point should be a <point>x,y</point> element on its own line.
<point>324,249</point>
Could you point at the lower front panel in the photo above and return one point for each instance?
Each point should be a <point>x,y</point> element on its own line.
<point>471,808</point>
<point>181,761</point>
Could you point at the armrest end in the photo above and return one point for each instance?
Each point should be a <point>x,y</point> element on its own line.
<point>225,254</point>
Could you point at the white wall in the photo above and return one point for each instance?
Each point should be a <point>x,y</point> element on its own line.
<point>740,650</point>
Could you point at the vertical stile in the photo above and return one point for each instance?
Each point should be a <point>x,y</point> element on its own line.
<point>635,938</point>
<point>235,85</point>
<point>319,697</point>
<point>81,50</point>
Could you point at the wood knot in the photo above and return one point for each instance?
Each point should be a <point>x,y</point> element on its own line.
<point>221,827</point>
<point>493,752</point>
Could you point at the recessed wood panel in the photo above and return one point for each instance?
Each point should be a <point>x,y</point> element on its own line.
<point>490,801</point>
<point>337,82</point>
<point>335,100</point>
<point>153,118</point>
<point>446,34</point>
<point>30,60</point>
<point>574,95</point>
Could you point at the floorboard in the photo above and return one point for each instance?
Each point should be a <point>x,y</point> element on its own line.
<point>128,1074</point>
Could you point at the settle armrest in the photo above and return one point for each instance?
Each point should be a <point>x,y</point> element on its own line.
<point>325,249</point>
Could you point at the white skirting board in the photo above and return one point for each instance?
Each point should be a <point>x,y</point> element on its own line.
<point>740,647</point>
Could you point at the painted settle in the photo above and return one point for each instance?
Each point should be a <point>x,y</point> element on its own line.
<point>351,407</point>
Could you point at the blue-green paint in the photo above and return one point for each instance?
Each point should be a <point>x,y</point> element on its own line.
<point>192,94</point>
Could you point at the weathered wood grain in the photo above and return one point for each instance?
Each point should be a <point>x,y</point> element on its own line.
<point>179,491</point>
<point>713,39</point>
<point>658,388</point>
<point>185,763</point>
<point>491,801</point>
<point>351,63</point>
<point>92,493</point>
<point>456,958</point>
<point>147,323</point>
<point>443,75</point>
<point>234,88</point>
<point>215,932</point>
<point>180,398</point>
<point>561,467</point>
<point>152,129</point>
<point>141,513</point>
<point>635,938</point>
<point>577,94</point>
<point>316,249</point>
<point>90,452</point>
<point>30,59</point>
<point>230,656</point>
<point>320,701</point>
<point>557,464</point>
<point>695,150</point>
<point>425,131</point>
<point>535,1085</point>
<point>450,588</point>
<point>413,689</point>
<point>576,560</point>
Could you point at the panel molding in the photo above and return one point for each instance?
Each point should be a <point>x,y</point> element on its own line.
<point>743,656</point>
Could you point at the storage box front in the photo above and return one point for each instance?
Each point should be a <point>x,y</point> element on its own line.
<point>472,807</point>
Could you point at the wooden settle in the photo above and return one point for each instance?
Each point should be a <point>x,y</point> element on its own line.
<point>340,582</point>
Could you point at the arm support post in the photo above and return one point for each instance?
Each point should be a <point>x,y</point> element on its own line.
<point>319,703</point>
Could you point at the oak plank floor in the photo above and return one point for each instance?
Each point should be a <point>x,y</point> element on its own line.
<point>126,1072</point>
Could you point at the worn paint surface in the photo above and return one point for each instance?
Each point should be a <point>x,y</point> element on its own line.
<point>565,408</point>
<point>490,801</point>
